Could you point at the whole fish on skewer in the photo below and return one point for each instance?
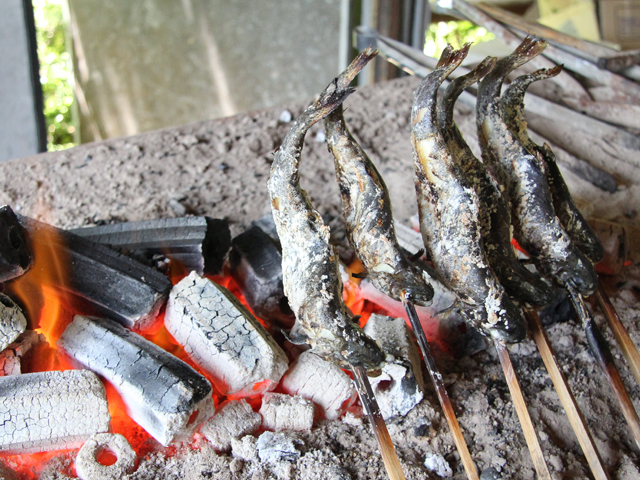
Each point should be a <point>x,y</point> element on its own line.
<point>449,216</point>
<point>310,268</point>
<point>523,178</point>
<point>512,105</point>
<point>519,282</point>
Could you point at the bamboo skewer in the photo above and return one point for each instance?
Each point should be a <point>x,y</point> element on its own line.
<point>523,414</point>
<point>627,346</point>
<point>443,397</point>
<point>566,396</point>
<point>604,359</point>
<point>387,450</point>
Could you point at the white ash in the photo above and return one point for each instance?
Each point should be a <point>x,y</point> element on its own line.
<point>245,448</point>
<point>161,392</point>
<point>12,321</point>
<point>234,420</point>
<point>51,410</point>
<point>278,447</point>
<point>399,388</point>
<point>89,468</point>
<point>437,464</point>
<point>322,382</point>
<point>11,357</point>
<point>223,337</point>
<point>286,412</point>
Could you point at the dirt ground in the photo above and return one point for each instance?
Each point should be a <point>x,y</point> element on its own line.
<point>220,168</point>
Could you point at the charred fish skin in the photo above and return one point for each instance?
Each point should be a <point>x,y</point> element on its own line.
<point>368,217</point>
<point>512,105</point>
<point>522,176</point>
<point>311,276</point>
<point>519,282</point>
<point>448,210</point>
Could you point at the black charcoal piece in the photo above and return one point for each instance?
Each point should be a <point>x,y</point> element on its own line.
<point>15,255</point>
<point>256,265</point>
<point>118,286</point>
<point>197,243</point>
<point>163,394</point>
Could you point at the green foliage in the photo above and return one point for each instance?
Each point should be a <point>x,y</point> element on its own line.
<point>55,73</point>
<point>455,33</point>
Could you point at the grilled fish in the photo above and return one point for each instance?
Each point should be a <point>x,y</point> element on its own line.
<point>519,282</point>
<point>366,211</point>
<point>522,176</point>
<point>311,274</point>
<point>512,104</point>
<point>449,216</point>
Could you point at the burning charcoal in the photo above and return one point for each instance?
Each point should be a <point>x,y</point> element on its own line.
<point>7,474</point>
<point>51,410</point>
<point>164,395</point>
<point>12,321</point>
<point>15,255</point>
<point>88,467</point>
<point>11,357</point>
<point>223,337</point>
<point>121,287</point>
<point>197,243</point>
<point>322,382</point>
<point>235,420</point>
<point>286,412</point>
<point>400,386</point>
<point>278,447</point>
<point>256,265</point>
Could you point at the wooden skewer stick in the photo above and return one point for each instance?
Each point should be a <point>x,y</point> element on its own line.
<point>523,414</point>
<point>387,450</point>
<point>443,397</point>
<point>627,346</point>
<point>604,359</point>
<point>566,396</point>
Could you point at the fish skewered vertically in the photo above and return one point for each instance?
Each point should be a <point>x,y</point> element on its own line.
<point>310,269</point>
<point>368,220</point>
<point>519,282</point>
<point>512,105</point>
<point>449,216</point>
<point>522,175</point>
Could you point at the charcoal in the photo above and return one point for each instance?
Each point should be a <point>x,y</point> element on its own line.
<point>88,467</point>
<point>223,337</point>
<point>11,357</point>
<point>163,394</point>
<point>196,243</point>
<point>437,464</point>
<point>51,410</point>
<point>278,447</point>
<point>286,412</point>
<point>256,265</point>
<point>233,421</point>
<point>399,388</point>
<point>15,254</point>
<point>322,382</point>
<point>117,286</point>
<point>12,321</point>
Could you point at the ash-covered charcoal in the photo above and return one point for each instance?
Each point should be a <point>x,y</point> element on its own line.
<point>196,243</point>
<point>223,337</point>
<point>512,105</point>
<point>164,395</point>
<point>12,321</point>
<point>278,447</point>
<point>322,382</point>
<point>117,286</point>
<point>495,219</point>
<point>399,388</point>
<point>88,465</point>
<point>51,410</point>
<point>15,255</point>
<point>11,357</point>
<point>522,175</point>
<point>233,421</point>
<point>309,263</point>
<point>256,265</point>
<point>449,216</point>
<point>286,412</point>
